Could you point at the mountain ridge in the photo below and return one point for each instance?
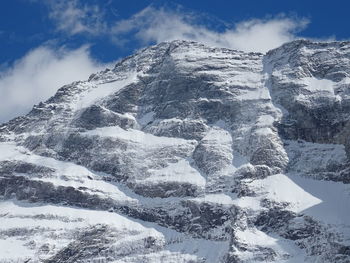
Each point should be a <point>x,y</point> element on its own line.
<point>205,154</point>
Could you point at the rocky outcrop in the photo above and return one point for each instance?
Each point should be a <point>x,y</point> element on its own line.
<point>185,153</point>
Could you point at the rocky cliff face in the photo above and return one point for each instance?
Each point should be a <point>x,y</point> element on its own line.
<point>185,153</point>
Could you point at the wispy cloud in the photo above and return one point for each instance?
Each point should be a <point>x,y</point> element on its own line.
<point>37,76</point>
<point>156,25</point>
<point>74,17</point>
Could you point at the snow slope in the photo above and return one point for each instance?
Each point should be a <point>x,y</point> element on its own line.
<point>185,153</point>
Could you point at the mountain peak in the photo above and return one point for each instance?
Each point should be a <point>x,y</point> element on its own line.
<point>181,147</point>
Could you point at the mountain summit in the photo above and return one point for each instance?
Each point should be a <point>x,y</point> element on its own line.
<point>185,153</point>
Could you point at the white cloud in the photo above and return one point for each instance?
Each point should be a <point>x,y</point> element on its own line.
<point>72,17</point>
<point>37,76</point>
<point>157,25</point>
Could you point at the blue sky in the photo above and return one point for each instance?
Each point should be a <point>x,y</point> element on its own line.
<point>48,43</point>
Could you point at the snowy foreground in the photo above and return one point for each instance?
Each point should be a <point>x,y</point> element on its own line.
<point>185,153</point>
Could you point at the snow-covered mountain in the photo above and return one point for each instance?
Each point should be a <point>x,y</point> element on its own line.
<point>185,153</point>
